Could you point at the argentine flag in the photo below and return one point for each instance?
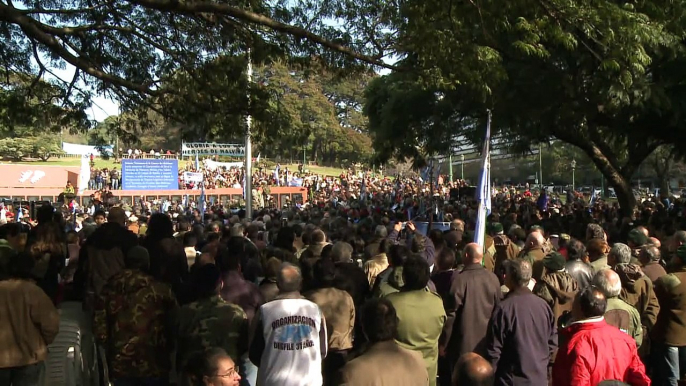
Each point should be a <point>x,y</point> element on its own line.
<point>483,194</point>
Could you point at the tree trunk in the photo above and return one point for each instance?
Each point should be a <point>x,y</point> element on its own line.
<point>315,151</point>
<point>620,180</point>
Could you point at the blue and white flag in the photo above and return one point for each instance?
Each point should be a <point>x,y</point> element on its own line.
<point>201,207</point>
<point>483,194</point>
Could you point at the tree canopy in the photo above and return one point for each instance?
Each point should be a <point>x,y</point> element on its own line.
<point>604,76</point>
<point>129,49</point>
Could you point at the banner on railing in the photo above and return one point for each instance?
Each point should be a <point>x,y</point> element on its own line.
<point>192,177</point>
<point>212,148</point>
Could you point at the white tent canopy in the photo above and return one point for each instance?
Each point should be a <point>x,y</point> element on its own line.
<point>76,149</point>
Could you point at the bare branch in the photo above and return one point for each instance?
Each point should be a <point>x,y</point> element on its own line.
<point>41,67</point>
<point>67,95</point>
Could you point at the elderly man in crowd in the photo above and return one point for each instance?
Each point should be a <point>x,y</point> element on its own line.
<point>669,334</point>
<point>577,263</point>
<point>473,370</point>
<point>474,293</point>
<point>637,290</point>
<point>618,312</point>
<point>534,254</point>
<point>650,261</point>
<point>521,332</point>
<point>288,336</point>
<point>579,362</point>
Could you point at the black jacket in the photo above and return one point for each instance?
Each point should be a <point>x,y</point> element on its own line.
<point>582,272</point>
<point>107,236</point>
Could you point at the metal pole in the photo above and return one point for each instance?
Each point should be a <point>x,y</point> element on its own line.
<point>304,158</point>
<point>450,169</point>
<point>462,166</point>
<point>248,151</point>
<point>573,178</point>
<point>540,164</point>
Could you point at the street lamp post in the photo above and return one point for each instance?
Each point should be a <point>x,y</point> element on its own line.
<point>573,173</point>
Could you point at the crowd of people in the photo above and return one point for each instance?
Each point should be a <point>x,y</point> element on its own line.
<point>348,291</point>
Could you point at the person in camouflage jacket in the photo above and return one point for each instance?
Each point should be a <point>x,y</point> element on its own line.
<point>210,321</point>
<point>130,320</point>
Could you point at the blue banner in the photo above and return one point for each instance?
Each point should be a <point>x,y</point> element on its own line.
<point>150,174</point>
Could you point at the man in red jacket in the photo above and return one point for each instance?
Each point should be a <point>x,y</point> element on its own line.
<point>592,351</point>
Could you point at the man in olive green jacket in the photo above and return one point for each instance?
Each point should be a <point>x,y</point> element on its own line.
<point>421,314</point>
<point>618,312</point>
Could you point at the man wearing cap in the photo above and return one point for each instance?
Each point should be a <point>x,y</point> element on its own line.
<point>636,240</point>
<point>669,333</point>
<point>130,321</point>
<point>489,245</point>
<point>557,287</point>
<point>504,250</point>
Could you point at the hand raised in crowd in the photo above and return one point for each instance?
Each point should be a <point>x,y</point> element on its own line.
<point>398,226</point>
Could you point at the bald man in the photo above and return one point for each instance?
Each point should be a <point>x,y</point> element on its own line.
<point>534,253</point>
<point>644,230</point>
<point>289,336</point>
<point>473,295</point>
<point>473,370</point>
<point>618,312</point>
<point>654,241</point>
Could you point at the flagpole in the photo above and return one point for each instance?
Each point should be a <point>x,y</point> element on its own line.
<point>248,150</point>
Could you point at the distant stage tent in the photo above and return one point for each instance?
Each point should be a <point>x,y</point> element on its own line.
<point>76,149</point>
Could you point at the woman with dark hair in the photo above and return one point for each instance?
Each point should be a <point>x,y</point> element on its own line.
<point>49,252</point>
<point>212,367</point>
<point>167,257</point>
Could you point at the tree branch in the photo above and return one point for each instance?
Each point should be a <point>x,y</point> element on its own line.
<point>254,18</point>
<point>33,30</point>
